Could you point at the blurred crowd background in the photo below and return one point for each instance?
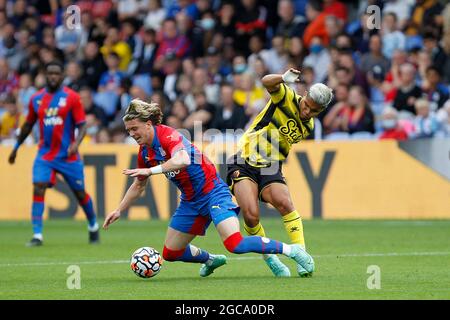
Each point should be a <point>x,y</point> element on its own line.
<point>203,61</point>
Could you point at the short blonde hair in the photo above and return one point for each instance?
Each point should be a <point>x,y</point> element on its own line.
<point>144,111</point>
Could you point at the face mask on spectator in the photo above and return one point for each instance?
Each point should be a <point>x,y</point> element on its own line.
<point>208,23</point>
<point>316,48</point>
<point>240,68</point>
<point>389,123</point>
<point>92,131</point>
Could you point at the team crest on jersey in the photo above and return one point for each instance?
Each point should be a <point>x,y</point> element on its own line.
<point>291,131</point>
<point>62,102</point>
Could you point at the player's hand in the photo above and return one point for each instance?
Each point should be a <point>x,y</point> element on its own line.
<point>73,149</point>
<point>12,157</point>
<point>137,172</point>
<point>292,75</point>
<point>112,217</point>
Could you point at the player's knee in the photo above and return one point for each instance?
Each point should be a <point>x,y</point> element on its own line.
<point>232,242</point>
<point>172,255</point>
<point>39,189</point>
<point>81,196</point>
<point>251,216</point>
<point>284,205</point>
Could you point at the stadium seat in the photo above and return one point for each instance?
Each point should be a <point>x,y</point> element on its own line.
<point>338,136</point>
<point>362,135</point>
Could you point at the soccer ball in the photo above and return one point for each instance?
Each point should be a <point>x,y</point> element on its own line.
<point>146,262</point>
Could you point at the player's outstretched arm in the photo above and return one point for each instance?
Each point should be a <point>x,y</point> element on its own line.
<point>24,132</point>
<point>133,192</point>
<point>272,81</point>
<point>179,160</point>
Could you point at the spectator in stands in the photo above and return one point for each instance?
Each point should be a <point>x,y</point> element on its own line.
<point>91,108</point>
<point>347,60</point>
<point>374,56</point>
<point>93,65</point>
<point>316,23</point>
<point>9,81</point>
<point>248,95</point>
<point>423,14</point>
<point>218,71</point>
<point>178,113</point>
<point>390,126</point>
<point>431,45</point>
<point>26,90</point>
<point>276,57</point>
<point>67,37</point>
<point>128,31</point>
<point>319,59</point>
<point>229,114</point>
<point>290,25</point>
<point>400,8</point>
<point>227,20</point>
<point>437,93</point>
<point>201,83</point>
<point>155,15</point>
<point>408,91</point>
<point>184,91</point>
<point>112,43</point>
<point>171,42</point>
<point>202,115</point>
<point>332,121</point>
<point>11,119</point>
<point>334,27</point>
<point>74,78</point>
<point>426,124</point>
<point>392,38</point>
<point>443,116</point>
<point>356,115</point>
<point>109,85</point>
<point>250,18</point>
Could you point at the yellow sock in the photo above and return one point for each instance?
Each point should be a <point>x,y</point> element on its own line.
<point>257,230</point>
<point>294,227</point>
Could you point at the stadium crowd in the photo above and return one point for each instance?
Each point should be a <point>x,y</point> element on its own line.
<point>203,61</point>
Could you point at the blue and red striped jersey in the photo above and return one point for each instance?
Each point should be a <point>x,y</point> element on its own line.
<point>58,114</point>
<point>195,180</point>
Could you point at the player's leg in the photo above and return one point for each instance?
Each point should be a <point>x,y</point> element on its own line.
<point>278,195</point>
<point>86,203</point>
<point>73,173</point>
<point>43,177</point>
<point>184,226</point>
<point>236,243</point>
<point>37,211</point>
<point>177,247</point>
<point>246,193</point>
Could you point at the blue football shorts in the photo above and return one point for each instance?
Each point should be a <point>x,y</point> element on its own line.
<point>194,217</point>
<point>44,171</point>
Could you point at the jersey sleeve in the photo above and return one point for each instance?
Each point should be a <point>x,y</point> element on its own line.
<point>171,141</point>
<point>32,115</point>
<point>77,109</point>
<point>277,96</point>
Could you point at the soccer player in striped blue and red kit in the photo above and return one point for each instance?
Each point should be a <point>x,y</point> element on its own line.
<point>59,111</point>
<point>204,195</point>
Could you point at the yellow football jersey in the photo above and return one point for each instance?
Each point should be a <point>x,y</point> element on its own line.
<point>274,131</point>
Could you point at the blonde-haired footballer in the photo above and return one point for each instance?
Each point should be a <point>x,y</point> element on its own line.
<point>254,172</point>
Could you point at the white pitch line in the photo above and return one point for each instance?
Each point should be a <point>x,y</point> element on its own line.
<point>343,255</point>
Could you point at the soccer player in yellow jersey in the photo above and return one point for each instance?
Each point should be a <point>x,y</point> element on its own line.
<point>254,172</point>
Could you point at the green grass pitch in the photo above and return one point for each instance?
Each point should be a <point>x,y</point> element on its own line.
<point>413,257</point>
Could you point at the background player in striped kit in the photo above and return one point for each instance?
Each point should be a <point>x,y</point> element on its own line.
<point>59,111</point>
